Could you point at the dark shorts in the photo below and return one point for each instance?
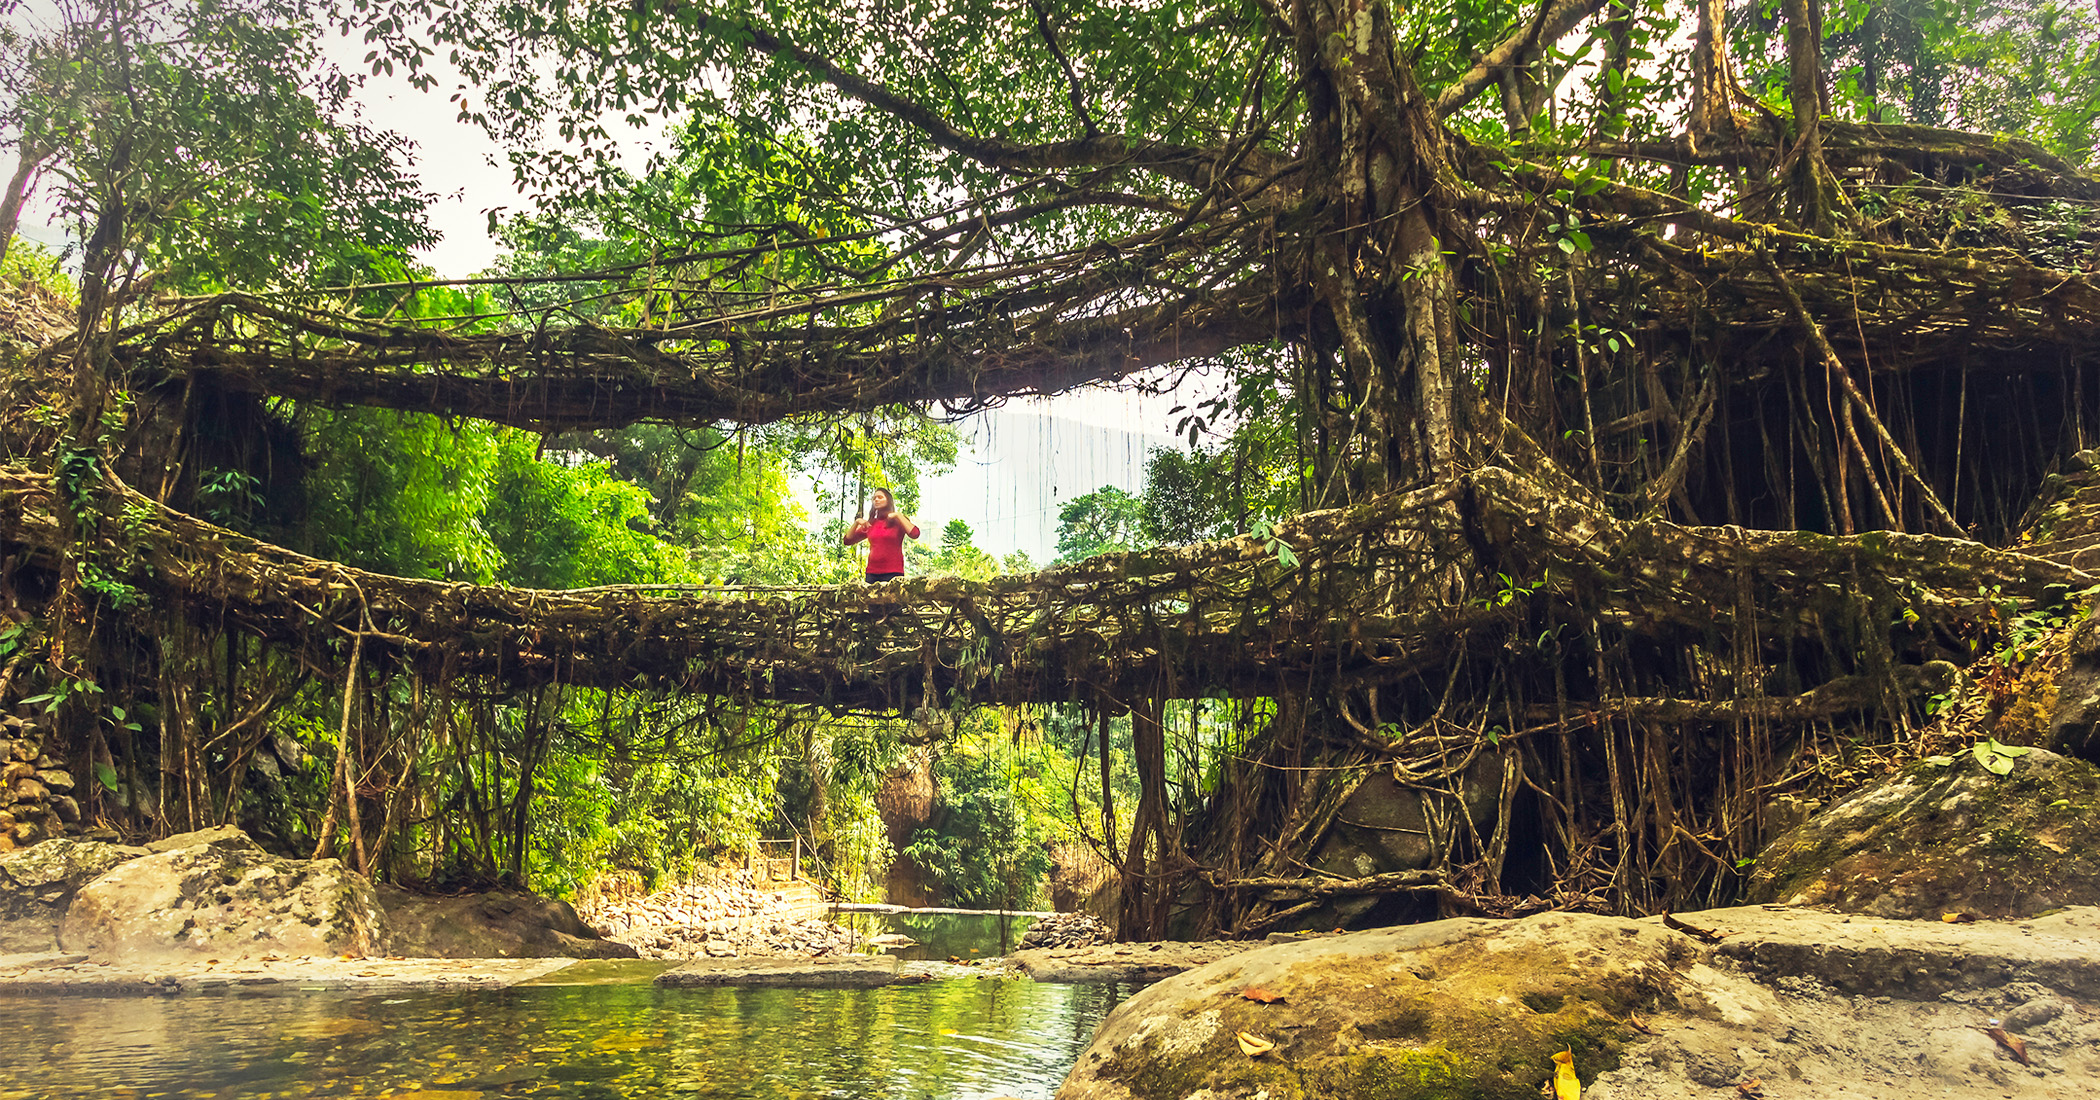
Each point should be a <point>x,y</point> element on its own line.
<point>878,578</point>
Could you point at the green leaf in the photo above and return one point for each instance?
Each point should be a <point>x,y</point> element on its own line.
<point>1998,765</point>
<point>1937,761</point>
<point>1285,555</point>
<point>106,775</point>
<point>2009,750</point>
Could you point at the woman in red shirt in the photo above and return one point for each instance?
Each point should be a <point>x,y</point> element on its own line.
<point>885,531</point>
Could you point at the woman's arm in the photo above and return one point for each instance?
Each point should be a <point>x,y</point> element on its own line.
<point>855,533</point>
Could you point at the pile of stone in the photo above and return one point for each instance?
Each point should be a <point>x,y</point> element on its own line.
<point>723,916</point>
<point>36,791</point>
<point>808,937</point>
<point>694,903</point>
<point>1067,930</point>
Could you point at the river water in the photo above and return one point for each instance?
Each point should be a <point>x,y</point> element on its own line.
<point>961,1039</point>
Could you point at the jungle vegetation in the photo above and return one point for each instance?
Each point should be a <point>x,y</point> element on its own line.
<point>1635,407</point>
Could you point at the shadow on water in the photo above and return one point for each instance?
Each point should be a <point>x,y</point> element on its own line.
<point>952,1040</point>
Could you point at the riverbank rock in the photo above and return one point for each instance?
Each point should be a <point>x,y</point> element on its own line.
<point>500,924</point>
<point>1952,838</point>
<point>37,883</point>
<point>1784,1003</point>
<point>1066,930</point>
<point>224,898</point>
<point>1121,962</point>
<point>846,972</point>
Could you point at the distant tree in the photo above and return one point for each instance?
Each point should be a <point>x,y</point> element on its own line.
<point>1183,499</point>
<point>1099,522</point>
<point>955,553</point>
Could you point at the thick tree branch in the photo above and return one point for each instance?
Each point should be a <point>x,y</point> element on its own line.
<point>1554,18</point>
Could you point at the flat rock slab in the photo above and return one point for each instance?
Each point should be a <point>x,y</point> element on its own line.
<point>1919,960</point>
<point>1788,1003</point>
<point>1121,962</point>
<point>48,974</point>
<point>841,972</point>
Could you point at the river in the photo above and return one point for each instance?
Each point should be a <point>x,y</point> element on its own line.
<point>958,1039</point>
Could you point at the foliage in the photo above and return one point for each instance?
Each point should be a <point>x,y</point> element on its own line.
<point>2026,67</point>
<point>990,848</point>
<point>1103,521</point>
<point>211,142</point>
<point>956,554</point>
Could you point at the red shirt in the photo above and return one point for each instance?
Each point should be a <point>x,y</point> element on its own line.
<point>885,544</point>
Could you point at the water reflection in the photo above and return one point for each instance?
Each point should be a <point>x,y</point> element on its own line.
<point>943,934</point>
<point>953,1040</point>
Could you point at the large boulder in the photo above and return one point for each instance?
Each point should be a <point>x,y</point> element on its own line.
<point>1455,1008</point>
<point>37,883</point>
<point>1948,836</point>
<point>224,898</point>
<point>1792,1004</point>
<point>501,924</point>
<point>1384,825</point>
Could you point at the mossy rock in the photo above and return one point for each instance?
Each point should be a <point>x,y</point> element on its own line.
<point>1450,1010</point>
<point>1948,838</point>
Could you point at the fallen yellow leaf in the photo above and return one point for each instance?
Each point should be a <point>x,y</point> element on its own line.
<point>1263,996</point>
<point>1565,1084</point>
<point>1254,1047</point>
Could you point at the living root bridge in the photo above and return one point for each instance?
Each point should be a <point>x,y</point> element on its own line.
<point>579,376</point>
<point>1384,591</point>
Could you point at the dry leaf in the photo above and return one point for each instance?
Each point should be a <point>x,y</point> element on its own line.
<point>1262,996</point>
<point>1700,934</point>
<point>2013,1043</point>
<point>1566,1086</point>
<point>1636,1023</point>
<point>1254,1047</point>
<point>1958,918</point>
<point>1752,1089</point>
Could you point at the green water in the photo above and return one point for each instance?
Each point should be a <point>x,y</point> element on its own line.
<point>950,1040</point>
<point>941,936</point>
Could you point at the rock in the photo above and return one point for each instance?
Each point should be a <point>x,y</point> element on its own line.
<point>2032,1014</point>
<point>219,836</point>
<point>288,751</point>
<point>846,972</point>
<point>1383,826</point>
<point>56,780</point>
<point>38,882</point>
<point>1467,1007</point>
<point>66,807</point>
<point>1816,1004</point>
<point>1934,840</point>
<point>225,900</point>
<point>1066,930</point>
<point>501,924</point>
<point>1122,962</point>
